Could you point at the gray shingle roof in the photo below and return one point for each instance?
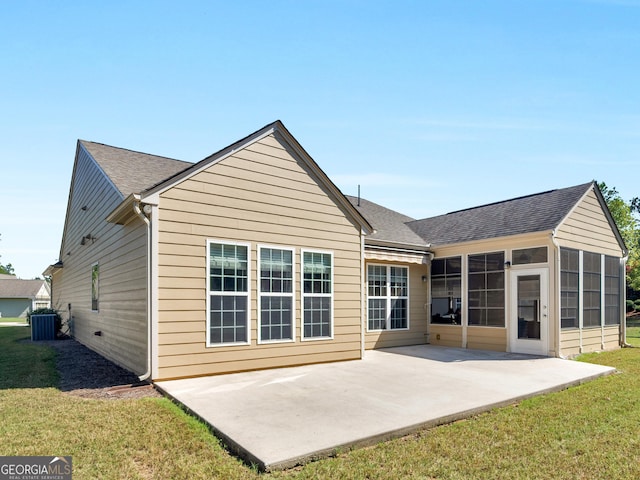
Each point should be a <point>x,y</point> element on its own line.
<point>532,213</point>
<point>389,225</point>
<point>17,288</point>
<point>130,171</point>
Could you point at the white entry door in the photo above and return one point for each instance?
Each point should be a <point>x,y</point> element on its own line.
<point>528,332</point>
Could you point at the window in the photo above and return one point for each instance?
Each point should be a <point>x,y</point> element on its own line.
<point>317,296</point>
<point>95,286</point>
<point>446,290</point>
<point>486,289</point>
<point>569,287</point>
<point>388,297</point>
<point>276,294</point>
<point>591,288</point>
<point>228,288</point>
<point>529,255</point>
<point>612,298</point>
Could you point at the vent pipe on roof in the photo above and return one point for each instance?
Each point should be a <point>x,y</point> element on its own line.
<point>358,195</point>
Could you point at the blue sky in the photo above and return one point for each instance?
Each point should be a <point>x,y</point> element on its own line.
<point>431,106</point>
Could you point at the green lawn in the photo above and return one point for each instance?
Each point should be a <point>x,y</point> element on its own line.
<point>590,431</point>
<point>12,320</point>
<point>633,336</point>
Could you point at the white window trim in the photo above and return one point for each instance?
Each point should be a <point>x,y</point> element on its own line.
<point>95,264</point>
<point>326,295</point>
<point>277,294</point>
<point>233,294</point>
<point>389,298</point>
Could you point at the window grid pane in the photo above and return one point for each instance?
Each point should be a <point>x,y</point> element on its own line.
<point>228,275</point>
<point>228,268</point>
<point>275,318</point>
<point>377,314</point>
<point>388,291</point>
<point>276,294</point>
<point>446,290</point>
<point>377,281</point>
<point>228,319</point>
<point>591,267</point>
<point>317,317</point>
<point>486,290</point>
<point>317,272</point>
<point>317,294</point>
<point>569,287</point>
<point>612,297</point>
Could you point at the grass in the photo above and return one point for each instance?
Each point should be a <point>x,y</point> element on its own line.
<point>633,336</point>
<point>12,320</point>
<point>633,330</point>
<point>585,432</point>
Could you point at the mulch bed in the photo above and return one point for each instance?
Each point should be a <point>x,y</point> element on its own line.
<point>84,373</point>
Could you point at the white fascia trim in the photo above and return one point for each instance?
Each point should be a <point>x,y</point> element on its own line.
<point>208,162</point>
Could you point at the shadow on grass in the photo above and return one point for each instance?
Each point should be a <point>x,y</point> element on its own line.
<point>63,364</point>
<point>25,365</point>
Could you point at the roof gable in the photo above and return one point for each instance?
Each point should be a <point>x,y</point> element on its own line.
<point>279,131</point>
<point>532,213</point>
<point>131,171</point>
<point>18,288</point>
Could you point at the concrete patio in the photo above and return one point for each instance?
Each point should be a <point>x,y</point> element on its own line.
<point>284,417</point>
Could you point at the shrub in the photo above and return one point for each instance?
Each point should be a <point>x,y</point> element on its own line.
<point>637,305</point>
<point>47,311</point>
<point>630,306</point>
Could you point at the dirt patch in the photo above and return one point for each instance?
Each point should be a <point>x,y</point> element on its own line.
<point>84,373</point>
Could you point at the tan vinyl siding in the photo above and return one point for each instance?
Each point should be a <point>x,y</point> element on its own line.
<point>574,341</point>
<point>587,228</point>
<point>259,195</point>
<point>418,297</point>
<point>570,342</point>
<point>487,338</point>
<point>120,252</point>
<point>591,340</point>
<point>611,336</point>
<point>446,335</point>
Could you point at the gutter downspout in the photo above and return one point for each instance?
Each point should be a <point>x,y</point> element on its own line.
<point>363,298</point>
<point>558,282</point>
<point>623,321</point>
<point>145,219</point>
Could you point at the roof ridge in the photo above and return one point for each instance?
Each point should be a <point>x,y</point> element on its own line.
<point>509,200</point>
<point>411,219</point>
<point>134,151</point>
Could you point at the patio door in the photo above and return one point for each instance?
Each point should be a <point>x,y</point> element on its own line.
<point>528,332</point>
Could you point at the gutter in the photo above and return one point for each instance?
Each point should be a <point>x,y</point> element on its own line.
<point>147,221</point>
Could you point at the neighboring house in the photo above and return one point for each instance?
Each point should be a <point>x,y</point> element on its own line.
<point>253,258</point>
<point>19,297</point>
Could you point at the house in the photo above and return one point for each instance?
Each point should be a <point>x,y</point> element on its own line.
<point>19,297</point>
<point>252,258</point>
